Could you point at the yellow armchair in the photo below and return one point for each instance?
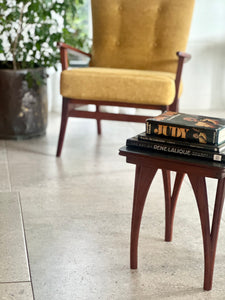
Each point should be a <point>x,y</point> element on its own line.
<point>136,61</point>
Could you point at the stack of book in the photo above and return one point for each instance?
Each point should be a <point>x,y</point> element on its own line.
<point>183,134</point>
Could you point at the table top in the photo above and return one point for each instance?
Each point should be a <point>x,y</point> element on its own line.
<point>177,163</point>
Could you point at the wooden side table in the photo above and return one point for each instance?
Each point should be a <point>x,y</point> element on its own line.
<point>147,163</point>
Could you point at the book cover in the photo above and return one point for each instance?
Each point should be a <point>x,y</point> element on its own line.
<point>183,143</point>
<point>190,128</point>
<point>175,149</point>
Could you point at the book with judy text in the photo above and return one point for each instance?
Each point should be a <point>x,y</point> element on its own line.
<point>188,128</point>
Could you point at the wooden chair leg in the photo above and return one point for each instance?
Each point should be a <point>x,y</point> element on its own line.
<point>99,128</point>
<point>175,105</point>
<point>64,120</point>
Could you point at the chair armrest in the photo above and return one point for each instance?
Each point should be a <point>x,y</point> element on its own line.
<point>66,46</point>
<point>182,58</point>
<point>64,54</point>
<point>186,56</point>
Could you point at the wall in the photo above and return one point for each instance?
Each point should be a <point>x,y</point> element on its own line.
<point>204,75</point>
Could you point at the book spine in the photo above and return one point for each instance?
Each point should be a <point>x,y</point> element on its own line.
<point>170,141</point>
<point>188,152</point>
<point>188,134</point>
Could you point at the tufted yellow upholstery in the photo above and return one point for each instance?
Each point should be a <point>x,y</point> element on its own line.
<point>123,85</point>
<point>140,34</point>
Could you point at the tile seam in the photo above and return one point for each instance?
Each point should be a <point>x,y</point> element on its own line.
<point>25,242</point>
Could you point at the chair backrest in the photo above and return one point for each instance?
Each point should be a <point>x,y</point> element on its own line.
<point>140,34</point>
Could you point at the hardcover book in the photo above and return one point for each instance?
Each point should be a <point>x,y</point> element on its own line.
<point>189,128</point>
<point>134,142</point>
<point>158,139</point>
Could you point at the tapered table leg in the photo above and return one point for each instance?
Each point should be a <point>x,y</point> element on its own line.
<point>170,200</point>
<point>143,180</point>
<point>209,236</point>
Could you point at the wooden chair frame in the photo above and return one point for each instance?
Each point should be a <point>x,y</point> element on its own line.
<point>69,105</point>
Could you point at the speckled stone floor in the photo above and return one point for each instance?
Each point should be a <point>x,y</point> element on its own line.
<point>65,223</point>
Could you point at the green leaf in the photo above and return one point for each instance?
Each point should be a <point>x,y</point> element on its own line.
<point>28,31</point>
<point>1,47</point>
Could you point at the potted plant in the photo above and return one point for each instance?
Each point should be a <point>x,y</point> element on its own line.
<point>30,30</point>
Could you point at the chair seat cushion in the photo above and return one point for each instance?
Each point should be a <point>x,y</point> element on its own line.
<point>119,85</point>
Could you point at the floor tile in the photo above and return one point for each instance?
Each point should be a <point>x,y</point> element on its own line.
<point>5,183</point>
<point>14,266</point>
<point>78,233</point>
<point>3,155</point>
<point>16,291</point>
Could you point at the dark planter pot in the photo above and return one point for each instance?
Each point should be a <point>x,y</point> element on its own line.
<point>23,109</point>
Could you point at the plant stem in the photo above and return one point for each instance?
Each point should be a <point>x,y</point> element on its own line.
<point>15,43</point>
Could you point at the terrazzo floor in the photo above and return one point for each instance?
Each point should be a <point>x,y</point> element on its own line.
<point>65,223</point>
